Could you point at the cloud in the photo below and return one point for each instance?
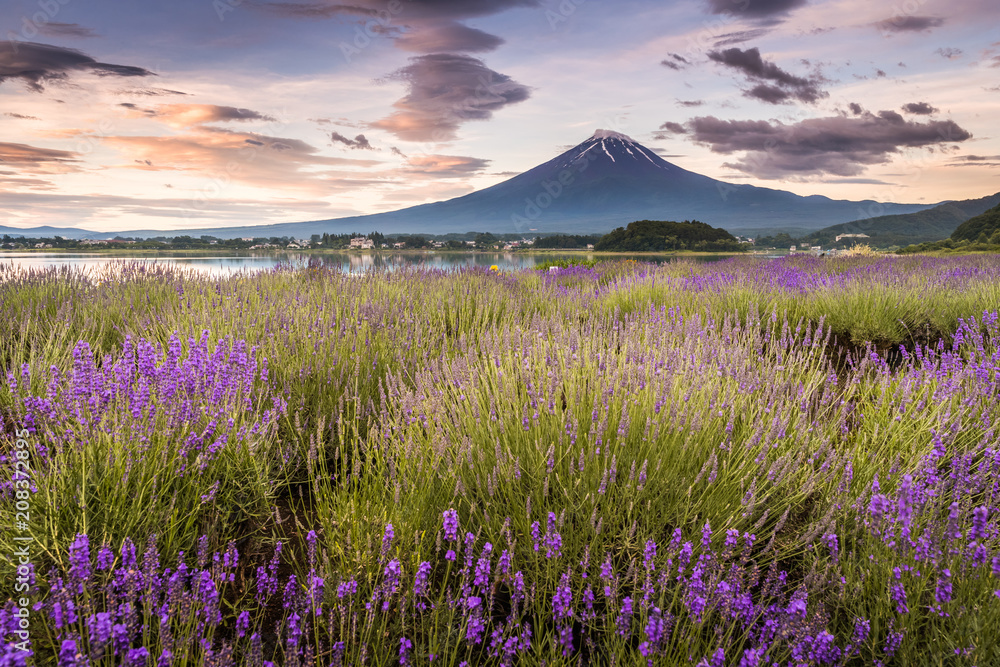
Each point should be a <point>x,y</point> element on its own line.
<point>740,36</point>
<point>18,160</point>
<point>975,161</point>
<point>397,152</point>
<point>246,157</point>
<point>837,145</point>
<point>18,116</point>
<point>783,85</point>
<point>448,37</point>
<point>149,92</point>
<point>754,8</point>
<point>191,115</point>
<point>446,90</point>
<point>675,61</point>
<point>919,108</point>
<point>949,52</point>
<point>855,108</point>
<point>315,10</point>
<point>902,23</point>
<point>673,128</point>
<point>855,181</point>
<point>445,166</point>
<point>37,64</point>
<point>74,210</point>
<point>411,9</point>
<point>56,29</point>
<point>690,103</point>
<point>357,143</point>
<point>37,160</point>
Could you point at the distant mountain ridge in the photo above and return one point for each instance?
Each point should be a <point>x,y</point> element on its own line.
<point>932,224</point>
<point>605,182</point>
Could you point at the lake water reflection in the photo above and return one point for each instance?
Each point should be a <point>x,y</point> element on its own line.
<point>350,262</point>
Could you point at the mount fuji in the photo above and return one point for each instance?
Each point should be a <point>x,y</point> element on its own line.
<point>607,181</point>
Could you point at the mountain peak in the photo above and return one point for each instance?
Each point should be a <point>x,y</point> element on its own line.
<point>611,134</point>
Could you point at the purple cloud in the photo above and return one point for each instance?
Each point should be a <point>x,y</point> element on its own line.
<point>56,29</point>
<point>357,143</point>
<point>754,8</point>
<point>445,91</point>
<point>776,85</point>
<point>448,37</point>
<point>37,64</point>
<point>908,23</point>
<point>919,108</point>
<point>837,145</point>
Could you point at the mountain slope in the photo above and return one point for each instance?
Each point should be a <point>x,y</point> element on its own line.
<point>932,224</point>
<point>983,227</point>
<point>607,181</point>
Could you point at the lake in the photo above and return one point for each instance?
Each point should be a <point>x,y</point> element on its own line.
<point>348,262</point>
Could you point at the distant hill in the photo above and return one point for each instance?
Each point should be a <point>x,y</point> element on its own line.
<point>931,224</point>
<point>657,235</point>
<point>982,228</point>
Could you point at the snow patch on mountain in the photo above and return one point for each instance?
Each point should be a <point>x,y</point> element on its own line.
<point>611,134</point>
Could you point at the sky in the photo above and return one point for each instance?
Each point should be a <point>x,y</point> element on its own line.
<point>174,114</point>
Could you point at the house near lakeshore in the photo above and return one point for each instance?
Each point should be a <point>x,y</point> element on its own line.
<point>362,242</point>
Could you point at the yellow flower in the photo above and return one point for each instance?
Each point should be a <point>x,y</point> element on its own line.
<point>495,268</point>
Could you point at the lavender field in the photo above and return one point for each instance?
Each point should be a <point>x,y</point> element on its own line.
<point>751,462</point>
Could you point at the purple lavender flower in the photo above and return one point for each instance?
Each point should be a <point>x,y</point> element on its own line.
<point>421,583</point>
<point>137,657</point>
<point>405,648</point>
<point>562,601</point>
<point>624,620</point>
<point>832,545</point>
<point>390,581</point>
<point>346,588</point>
<point>387,539</point>
<point>751,657</point>
<point>942,592</point>
<point>649,554</point>
<point>105,558</point>
<point>655,633</point>
<point>450,525</point>
<point>99,628</point>
<point>291,593</point>
<point>316,591</point>
<point>476,626</point>
<point>553,540</point>
<point>503,564</point>
<point>242,623</point>
<point>69,656</point>
<point>862,628</point>
<point>892,642</point>
<point>980,516</point>
<point>536,535</point>
<point>79,559</point>
<point>482,574</point>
